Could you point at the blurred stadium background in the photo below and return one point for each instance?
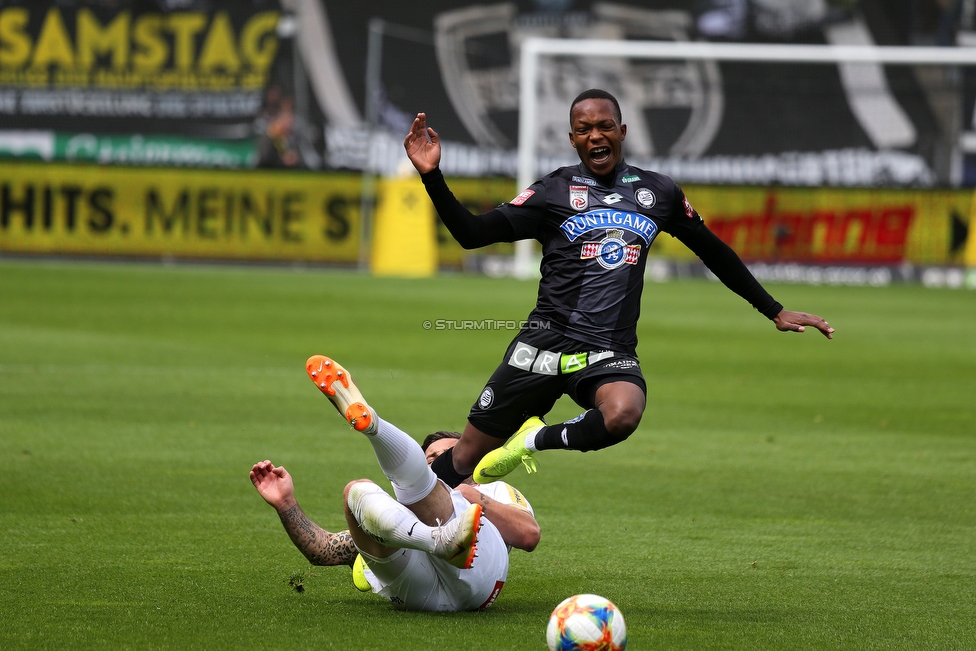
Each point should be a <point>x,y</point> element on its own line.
<point>270,130</point>
<point>793,492</point>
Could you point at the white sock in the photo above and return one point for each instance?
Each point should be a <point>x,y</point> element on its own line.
<point>387,521</point>
<point>403,462</point>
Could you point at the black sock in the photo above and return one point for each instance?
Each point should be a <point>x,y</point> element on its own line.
<point>583,434</point>
<point>443,467</point>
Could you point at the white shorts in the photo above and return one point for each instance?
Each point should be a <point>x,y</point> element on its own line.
<point>415,580</point>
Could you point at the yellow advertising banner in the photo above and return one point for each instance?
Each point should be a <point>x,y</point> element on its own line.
<point>314,217</point>
<point>171,212</point>
<point>88,209</point>
<point>970,254</point>
<point>403,231</point>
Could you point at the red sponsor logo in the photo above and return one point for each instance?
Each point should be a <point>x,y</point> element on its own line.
<point>522,197</point>
<point>494,595</point>
<point>869,234</point>
<point>689,211</point>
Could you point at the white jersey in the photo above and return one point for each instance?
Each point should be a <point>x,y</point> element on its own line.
<point>415,580</point>
<point>502,492</point>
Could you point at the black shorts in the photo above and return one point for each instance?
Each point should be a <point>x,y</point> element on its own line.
<point>538,368</point>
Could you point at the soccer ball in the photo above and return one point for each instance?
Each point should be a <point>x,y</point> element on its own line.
<point>586,622</point>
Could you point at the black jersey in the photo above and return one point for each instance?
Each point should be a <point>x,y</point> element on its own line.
<point>594,247</point>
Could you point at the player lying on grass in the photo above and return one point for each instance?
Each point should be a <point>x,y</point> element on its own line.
<point>595,221</point>
<point>431,548</point>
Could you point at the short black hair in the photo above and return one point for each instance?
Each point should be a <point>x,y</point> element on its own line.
<point>437,436</point>
<point>595,93</point>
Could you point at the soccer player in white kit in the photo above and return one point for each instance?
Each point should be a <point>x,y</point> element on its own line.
<point>431,548</point>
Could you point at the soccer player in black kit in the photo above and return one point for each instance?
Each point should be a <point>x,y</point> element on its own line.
<point>595,221</point>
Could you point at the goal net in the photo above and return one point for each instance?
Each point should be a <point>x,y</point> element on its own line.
<point>844,114</point>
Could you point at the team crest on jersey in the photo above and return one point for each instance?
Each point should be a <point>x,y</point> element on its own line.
<point>522,197</point>
<point>579,197</point>
<point>645,198</point>
<point>487,397</point>
<point>612,251</point>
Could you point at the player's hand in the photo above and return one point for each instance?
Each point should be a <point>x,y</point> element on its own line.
<point>788,321</point>
<point>422,145</point>
<point>274,484</point>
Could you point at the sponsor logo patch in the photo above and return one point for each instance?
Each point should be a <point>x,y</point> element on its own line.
<point>612,251</point>
<point>621,364</point>
<point>487,397</point>
<point>523,356</point>
<point>611,199</point>
<point>551,362</point>
<point>689,211</point>
<point>584,180</point>
<point>522,197</point>
<point>579,197</point>
<point>636,223</point>
<point>645,198</point>
<point>630,179</point>
<point>517,498</point>
<point>572,363</point>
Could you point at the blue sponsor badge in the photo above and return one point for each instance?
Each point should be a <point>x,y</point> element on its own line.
<point>641,225</point>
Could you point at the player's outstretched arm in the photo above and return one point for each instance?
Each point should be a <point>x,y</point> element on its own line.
<point>319,546</point>
<point>471,231</point>
<point>422,145</point>
<point>788,321</point>
<point>517,526</point>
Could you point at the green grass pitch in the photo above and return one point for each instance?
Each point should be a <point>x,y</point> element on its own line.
<point>783,491</point>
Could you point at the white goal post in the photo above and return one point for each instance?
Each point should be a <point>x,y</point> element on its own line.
<point>533,49</point>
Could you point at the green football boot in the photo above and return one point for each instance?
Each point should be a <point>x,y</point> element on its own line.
<point>501,461</point>
<point>359,575</point>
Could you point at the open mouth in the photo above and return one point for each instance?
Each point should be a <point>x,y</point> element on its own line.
<point>600,154</point>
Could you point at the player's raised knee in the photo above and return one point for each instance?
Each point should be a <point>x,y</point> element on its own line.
<point>345,491</point>
<point>621,421</point>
